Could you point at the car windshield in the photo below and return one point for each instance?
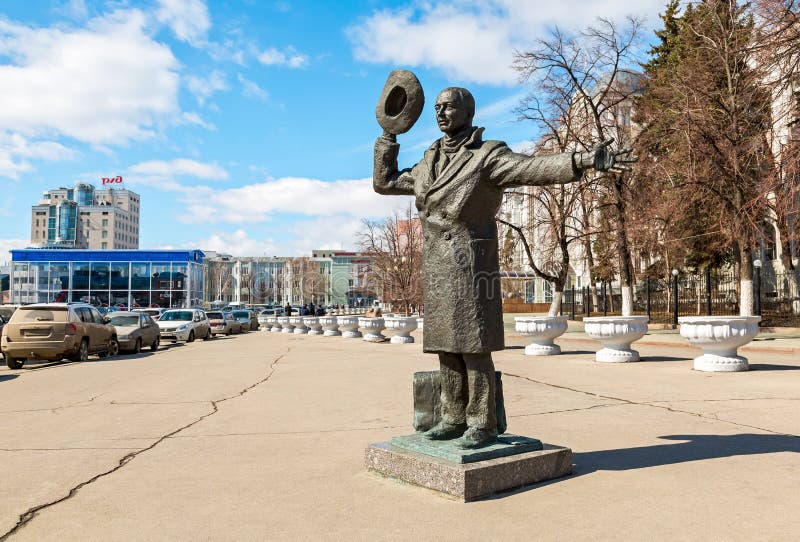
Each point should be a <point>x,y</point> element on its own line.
<point>125,320</point>
<point>241,314</point>
<point>214,315</point>
<point>176,316</point>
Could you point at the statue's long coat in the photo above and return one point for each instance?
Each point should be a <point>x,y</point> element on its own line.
<point>457,208</point>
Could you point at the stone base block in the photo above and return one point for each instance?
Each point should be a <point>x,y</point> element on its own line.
<point>300,330</point>
<point>542,350</point>
<point>721,364</point>
<point>287,329</point>
<point>400,339</point>
<point>351,334</point>
<point>469,481</point>
<point>616,355</point>
<point>375,338</point>
<point>332,333</point>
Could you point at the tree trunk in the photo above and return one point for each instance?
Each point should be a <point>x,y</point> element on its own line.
<point>627,300</point>
<point>555,305</point>
<point>625,265</point>
<point>746,301</point>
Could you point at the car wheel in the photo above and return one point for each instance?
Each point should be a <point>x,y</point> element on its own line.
<point>83,352</point>
<point>229,332</point>
<point>137,348</point>
<point>14,363</point>
<point>208,336</point>
<point>156,344</point>
<point>113,347</point>
<point>191,337</point>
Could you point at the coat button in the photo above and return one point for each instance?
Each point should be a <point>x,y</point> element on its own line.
<point>447,236</point>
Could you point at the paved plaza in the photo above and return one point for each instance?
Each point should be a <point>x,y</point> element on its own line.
<point>262,437</point>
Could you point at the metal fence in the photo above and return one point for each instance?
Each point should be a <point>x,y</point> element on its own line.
<point>777,298</point>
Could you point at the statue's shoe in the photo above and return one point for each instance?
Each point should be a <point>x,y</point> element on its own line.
<point>475,438</point>
<point>445,431</point>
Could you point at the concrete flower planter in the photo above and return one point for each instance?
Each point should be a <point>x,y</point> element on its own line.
<point>420,323</point>
<point>542,330</point>
<point>330,326</point>
<point>278,324</point>
<point>314,327</point>
<point>719,337</point>
<point>287,325</point>
<point>616,333</point>
<point>348,325</point>
<point>300,326</point>
<point>401,326</point>
<point>269,321</point>
<point>372,328</point>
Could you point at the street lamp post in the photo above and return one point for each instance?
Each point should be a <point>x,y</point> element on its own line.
<point>757,287</point>
<point>675,297</point>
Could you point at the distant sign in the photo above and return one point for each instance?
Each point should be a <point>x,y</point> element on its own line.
<point>112,180</point>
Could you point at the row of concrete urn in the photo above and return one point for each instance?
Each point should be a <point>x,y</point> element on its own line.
<point>349,326</point>
<point>718,336</point>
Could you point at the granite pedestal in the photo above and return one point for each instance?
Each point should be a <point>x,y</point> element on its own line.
<point>471,480</point>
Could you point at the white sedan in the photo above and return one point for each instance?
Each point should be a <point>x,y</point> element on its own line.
<point>184,325</point>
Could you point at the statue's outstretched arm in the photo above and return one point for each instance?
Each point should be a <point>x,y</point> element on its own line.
<point>386,178</point>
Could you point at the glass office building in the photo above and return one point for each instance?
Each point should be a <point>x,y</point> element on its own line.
<point>122,278</point>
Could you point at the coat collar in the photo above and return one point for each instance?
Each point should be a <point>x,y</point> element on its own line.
<point>460,158</point>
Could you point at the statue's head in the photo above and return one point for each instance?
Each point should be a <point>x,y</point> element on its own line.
<point>455,108</point>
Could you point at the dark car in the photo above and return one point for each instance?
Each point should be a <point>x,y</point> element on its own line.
<point>249,319</point>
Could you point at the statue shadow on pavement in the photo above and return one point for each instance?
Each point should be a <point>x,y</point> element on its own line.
<point>695,448</point>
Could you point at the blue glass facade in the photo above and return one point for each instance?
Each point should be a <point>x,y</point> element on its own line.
<point>124,278</point>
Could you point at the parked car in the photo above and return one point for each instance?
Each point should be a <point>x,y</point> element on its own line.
<point>223,323</point>
<point>54,331</point>
<point>7,310</point>
<point>184,325</point>
<point>135,330</point>
<point>248,319</point>
<point>154,313</point>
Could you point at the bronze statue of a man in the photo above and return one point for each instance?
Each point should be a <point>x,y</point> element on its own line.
<point>459,187</point>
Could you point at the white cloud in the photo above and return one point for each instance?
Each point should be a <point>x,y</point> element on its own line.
<point>295,196</point>
<point>475,41</point>
<point>289,57</point>
<point>106,84</point>
<point>252,90</point>
<point>180,167</point>
<point>75,9</point>
<point>190,117</point>
<point>8,244</point>
<point>16,151</point>
<point>237,243</point>
<point>204,88</point>
<point>334,232</point>
<point>189,20</point>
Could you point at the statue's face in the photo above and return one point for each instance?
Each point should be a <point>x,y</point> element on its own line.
<point>451,115</point>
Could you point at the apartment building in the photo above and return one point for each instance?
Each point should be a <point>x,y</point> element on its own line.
<point>83,217</point>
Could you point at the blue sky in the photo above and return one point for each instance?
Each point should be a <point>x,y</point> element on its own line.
<point>246,125</point>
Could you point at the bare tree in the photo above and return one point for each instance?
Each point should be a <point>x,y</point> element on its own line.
<point>394,246</point>
<point>584,89</point>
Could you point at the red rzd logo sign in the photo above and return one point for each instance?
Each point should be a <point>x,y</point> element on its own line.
<point>112,180</point>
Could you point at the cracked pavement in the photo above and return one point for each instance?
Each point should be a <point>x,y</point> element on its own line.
<point>261,437</point>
